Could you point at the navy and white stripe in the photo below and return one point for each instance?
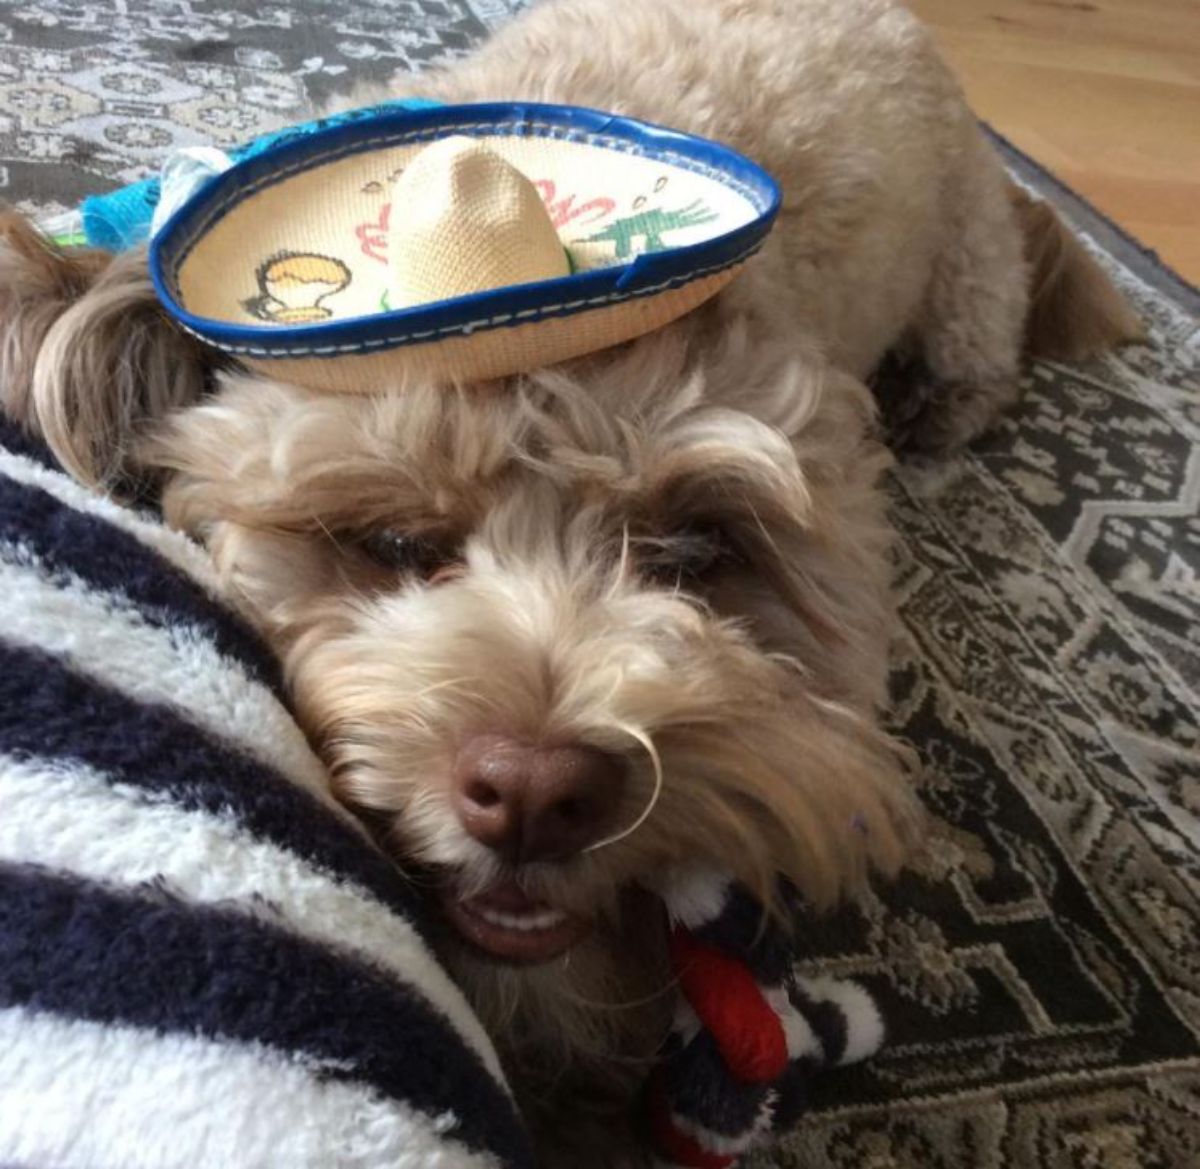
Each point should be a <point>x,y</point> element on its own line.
<point>708,1103</point>
<point>203,960</point>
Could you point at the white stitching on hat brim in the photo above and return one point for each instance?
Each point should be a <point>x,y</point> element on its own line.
<point>527,316</point>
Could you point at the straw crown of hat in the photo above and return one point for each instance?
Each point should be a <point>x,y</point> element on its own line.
<point>465,221</point>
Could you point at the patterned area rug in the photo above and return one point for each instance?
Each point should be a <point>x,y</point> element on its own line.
<point>1041,968</point>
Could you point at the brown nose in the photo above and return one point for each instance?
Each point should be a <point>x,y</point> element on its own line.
<point>536,803</point>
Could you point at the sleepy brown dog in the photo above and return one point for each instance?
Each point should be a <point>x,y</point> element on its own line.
<point>558,633</point>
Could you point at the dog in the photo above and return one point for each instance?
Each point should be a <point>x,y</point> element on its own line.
<point>559,634</point>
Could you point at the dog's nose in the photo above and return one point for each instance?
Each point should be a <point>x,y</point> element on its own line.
<point>532,803</point>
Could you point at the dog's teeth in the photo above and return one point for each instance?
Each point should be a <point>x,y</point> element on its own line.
<point>526,922</point>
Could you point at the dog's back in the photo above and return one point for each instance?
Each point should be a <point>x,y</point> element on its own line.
<point>844,101</point>
<point>898,221</point>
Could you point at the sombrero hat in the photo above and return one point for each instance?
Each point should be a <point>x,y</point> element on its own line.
<point>457,242</point>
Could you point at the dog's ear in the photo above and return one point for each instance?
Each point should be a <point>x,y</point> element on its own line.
<point>87,356</point>
<point>37,284</point>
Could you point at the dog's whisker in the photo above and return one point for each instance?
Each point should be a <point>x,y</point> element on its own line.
<point>648,745</point>
<point>622,570</point>
<point>439,687</point>
<point>328,534</point>
<point>792,663</point>
<point>667,988</point>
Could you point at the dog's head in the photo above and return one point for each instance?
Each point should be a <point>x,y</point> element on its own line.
<point>560,634</point>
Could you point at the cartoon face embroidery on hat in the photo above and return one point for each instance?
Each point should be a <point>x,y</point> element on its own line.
<point>293,286</point>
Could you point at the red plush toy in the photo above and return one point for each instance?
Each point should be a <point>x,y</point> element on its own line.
<point>748,1032</point>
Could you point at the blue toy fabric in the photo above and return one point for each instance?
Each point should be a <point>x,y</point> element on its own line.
<point>121,219</point>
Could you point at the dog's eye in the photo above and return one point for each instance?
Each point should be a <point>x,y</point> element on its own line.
<point>424,556</point>
<point>685,556</point>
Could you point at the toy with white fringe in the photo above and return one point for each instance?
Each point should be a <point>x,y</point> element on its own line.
<point>749,1031</point>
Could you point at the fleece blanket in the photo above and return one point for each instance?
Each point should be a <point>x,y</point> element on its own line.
<point>203,960</point>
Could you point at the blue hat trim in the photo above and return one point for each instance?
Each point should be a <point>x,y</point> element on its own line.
<point>377,129</point>
<point>120,219</point>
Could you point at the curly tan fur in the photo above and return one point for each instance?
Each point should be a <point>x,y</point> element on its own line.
<point>743,697</point>
<point>1074,311</point>
<point>38,283</point>
<point>88,356</point>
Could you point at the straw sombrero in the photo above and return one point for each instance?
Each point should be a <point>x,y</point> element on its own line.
<point>458,242</point>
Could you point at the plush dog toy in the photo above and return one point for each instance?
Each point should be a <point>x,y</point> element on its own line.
<point>748,1031</point>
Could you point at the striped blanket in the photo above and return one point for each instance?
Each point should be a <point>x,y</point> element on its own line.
<point>203,961</point>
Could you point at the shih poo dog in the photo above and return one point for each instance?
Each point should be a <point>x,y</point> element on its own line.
<point>559,633</point>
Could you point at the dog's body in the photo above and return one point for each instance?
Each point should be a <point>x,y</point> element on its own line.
<point>671,556</point>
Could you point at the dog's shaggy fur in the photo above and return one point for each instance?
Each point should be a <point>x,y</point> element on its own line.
<point>675,551</point>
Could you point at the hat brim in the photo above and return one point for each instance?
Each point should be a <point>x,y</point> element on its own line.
<point>484,335</point>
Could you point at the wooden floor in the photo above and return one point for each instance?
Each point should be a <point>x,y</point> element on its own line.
<point>1104,93</point>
